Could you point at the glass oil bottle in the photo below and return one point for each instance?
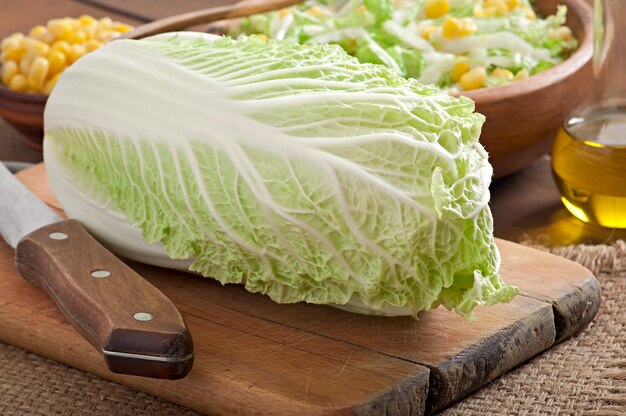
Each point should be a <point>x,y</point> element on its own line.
<point>589,153</point>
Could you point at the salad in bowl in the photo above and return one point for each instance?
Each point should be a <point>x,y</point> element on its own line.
<point>459,45</point>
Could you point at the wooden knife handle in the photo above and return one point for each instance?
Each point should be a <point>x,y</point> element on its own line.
<point>137,328</point>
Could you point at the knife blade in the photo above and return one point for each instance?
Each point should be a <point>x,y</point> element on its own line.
<point>135,327</point>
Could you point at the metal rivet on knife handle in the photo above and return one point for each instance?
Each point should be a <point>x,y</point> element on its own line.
<point>58,236</point>
<point>143,316</point>
<point>100,274</point>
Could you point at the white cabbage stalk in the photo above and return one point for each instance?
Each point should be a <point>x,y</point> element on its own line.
<point>291,169</point>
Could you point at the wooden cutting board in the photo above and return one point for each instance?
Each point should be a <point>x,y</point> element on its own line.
<point>257,357</point>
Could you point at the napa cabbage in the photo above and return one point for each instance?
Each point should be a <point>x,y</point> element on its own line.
<point>294,170</point>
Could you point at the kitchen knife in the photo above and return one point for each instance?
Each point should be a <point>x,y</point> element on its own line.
<point>135,327</point>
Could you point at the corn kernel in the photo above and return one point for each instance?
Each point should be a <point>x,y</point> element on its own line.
<point>92,45</point>
<point>49,85</point>
<point>18,83</point>
<point>362,9</point>
<point>512,4</point>
<point>62,46</point>
<point>473,79</point>
<point>77,51</point>
<point>500,6</point>
<point>14,40</point>
<point>86,20</point>
<point>436,8</point>
<point>57,61</point>
<point>78,36</point>
<point>502,73</point>
<point>12,53</point>
<point>480,11</point>
<point>522,74</point>
<point>38,73</point>
<point>458,70</point>
<point>456,28</point>
<point>106,35</point>
<point>122,27</point>
<point>91,31</point>
<point>60,28</point>
<point>35,47</point>
<point>284,12</point>
<point>9,70</point>
<point>427,30</point>
<point>561,33</point>
<point>105,23</point>
<point>316,11</point>
<point>262,37</point>
<point>38,32</point>
<point>25,63</point>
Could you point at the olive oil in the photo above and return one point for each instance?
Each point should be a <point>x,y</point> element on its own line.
<point>589,165</point>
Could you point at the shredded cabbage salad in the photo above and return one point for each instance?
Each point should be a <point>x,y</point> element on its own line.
<point>458,45</point>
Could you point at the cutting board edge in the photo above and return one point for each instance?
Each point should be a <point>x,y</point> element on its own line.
<point>573,312</point>
<point>506,344</point>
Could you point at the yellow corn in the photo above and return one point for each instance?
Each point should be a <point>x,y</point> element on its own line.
<point>57,61</point>
<point>62,46</point>
<point>362,9</point>
<point>500,6</point>
<point>284,12</point>
<point>122,27</point>
<point>262,37</point>
<point>35,47</point>
<point>480,11</point>
<point>9,70</point>
<point>86,20</point>
<point>60,28</point>
<point>38,32</point>
<point>12,41</point>
<point>427,31</point>
<point>434,9</point>
<point>456,28</point>
<point>561,33</point>
<point>107,35</point>
<point>47,87</point>
<point>473,79</point>
<point>12,54</point>
<point>18,83</point>
<point>25,63</point>
<point>512,4</point>
<point>105,23</point>
<point>77,51</point>
<point>458,70</point>
<point>33,63</point>
<point>316,11</point>
<point>38,73</point>
<point>77,36</point>
<point>92,45</point>
<point>502,73</point>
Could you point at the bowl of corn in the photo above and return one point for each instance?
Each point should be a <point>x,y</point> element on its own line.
<point>31,64</point>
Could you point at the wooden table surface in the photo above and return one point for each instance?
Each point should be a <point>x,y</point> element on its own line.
<point>525,205</point>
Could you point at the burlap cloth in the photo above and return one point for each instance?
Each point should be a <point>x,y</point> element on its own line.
<point>584,375</point>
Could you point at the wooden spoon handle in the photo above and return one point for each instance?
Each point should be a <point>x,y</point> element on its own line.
<point>132,324</point>
<point>182,21</point>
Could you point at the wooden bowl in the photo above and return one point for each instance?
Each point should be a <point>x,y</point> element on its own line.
<point>523,117</point>
<point>25,113</point>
